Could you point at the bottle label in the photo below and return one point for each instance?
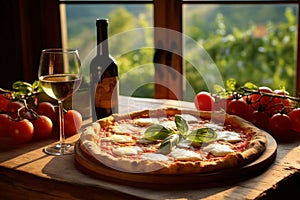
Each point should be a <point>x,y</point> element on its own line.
<point>107,92</point>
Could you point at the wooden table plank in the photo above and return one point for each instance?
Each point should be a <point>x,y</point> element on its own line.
<point>27,173</point>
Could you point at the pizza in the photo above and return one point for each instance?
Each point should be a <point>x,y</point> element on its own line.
<point>172,141</point>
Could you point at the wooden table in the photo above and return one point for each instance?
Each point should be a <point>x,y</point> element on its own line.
<point>27,173</point>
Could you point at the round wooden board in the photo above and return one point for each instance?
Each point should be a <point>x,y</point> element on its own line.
<point>97,170</point>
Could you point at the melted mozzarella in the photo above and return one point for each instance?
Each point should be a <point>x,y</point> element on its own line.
<point>183,154</point>
<point>121,129</point>
<point>118,139</point>
<point>218,149</point>
<point>129,150</point>
<point>146,121</point>
<point>155,157</point>
<point>184,144</point>
<point>228,136</point>
<point>215,127</point>
<point>127,129</point>
<point>169,124</point>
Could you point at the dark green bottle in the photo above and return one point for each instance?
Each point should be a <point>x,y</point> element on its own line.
<point>104,76</point>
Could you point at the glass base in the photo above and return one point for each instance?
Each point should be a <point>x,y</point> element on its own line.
<point>59,149</point>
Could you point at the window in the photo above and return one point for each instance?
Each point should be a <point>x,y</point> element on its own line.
<point>256,41</point>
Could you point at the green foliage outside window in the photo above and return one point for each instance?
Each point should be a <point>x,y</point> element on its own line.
<point>262,54</point>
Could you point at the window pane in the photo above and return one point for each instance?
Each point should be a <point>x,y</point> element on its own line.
<point>256,43</point>
<point>128,37</point>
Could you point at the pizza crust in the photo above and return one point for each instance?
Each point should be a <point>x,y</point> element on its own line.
<point>89,145</point>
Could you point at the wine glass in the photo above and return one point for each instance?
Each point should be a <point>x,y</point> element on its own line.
<point>60,76</point>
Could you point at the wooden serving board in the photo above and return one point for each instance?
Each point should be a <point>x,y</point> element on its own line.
<point>95,169</point>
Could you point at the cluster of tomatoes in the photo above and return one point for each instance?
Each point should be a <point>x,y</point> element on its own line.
<point>271,110</point>
<point>23,122</point>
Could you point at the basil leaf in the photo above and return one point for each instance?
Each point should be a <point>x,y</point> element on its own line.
<point>181,125</point>
<point>231,84</point>
<point>251,86</point>
<point>202,135</point>
<point>157,132</point>
<point>169,143</point>
<point>219,89</point>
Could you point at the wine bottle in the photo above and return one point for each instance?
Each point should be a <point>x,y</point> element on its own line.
<point>104,76</point>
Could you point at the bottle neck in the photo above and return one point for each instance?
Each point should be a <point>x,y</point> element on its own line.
<point>102,40</point>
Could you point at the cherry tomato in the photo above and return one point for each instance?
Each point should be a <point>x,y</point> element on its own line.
<point>47,109</point>
<point>4,125</point>
<point>43,127</point>
<point>280,125</point>
<point>204,101</point>
<point>24,113</point>
<point>260,101</point>
<point>238,107</point>
<point>260,119</point>
<point>281,92</point>
<point>72,122</point>
<point>278,104</point>
<point>3,103</point>
<point>295,119</point>
<point>251,109</point>
<point>21,131</point>
<point>13,107</point>
<point>221,103</point>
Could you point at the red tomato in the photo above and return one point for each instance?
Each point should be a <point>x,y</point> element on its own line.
<point>295,119</point>
<point>13,107</point>
<point>24,114</point>
<point>281,92</point>
<point>280,125</point>
<point>221,103</point>
<point>21,131</point>
<point>42,127</point>
<point>278,104</point>
<point>260,119</point>
<point>72,122</point>
<point>204,101</point>
<point>248,101</point>
<point>4,125</point>
<point>260,101</point>
<point>47,109</point>
<point>3,103</point>
<point>238,107</point>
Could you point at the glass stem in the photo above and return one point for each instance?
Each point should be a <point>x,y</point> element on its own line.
<point>61,125</point>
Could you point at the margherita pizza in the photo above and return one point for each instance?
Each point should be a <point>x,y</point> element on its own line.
<point>172,141</point>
